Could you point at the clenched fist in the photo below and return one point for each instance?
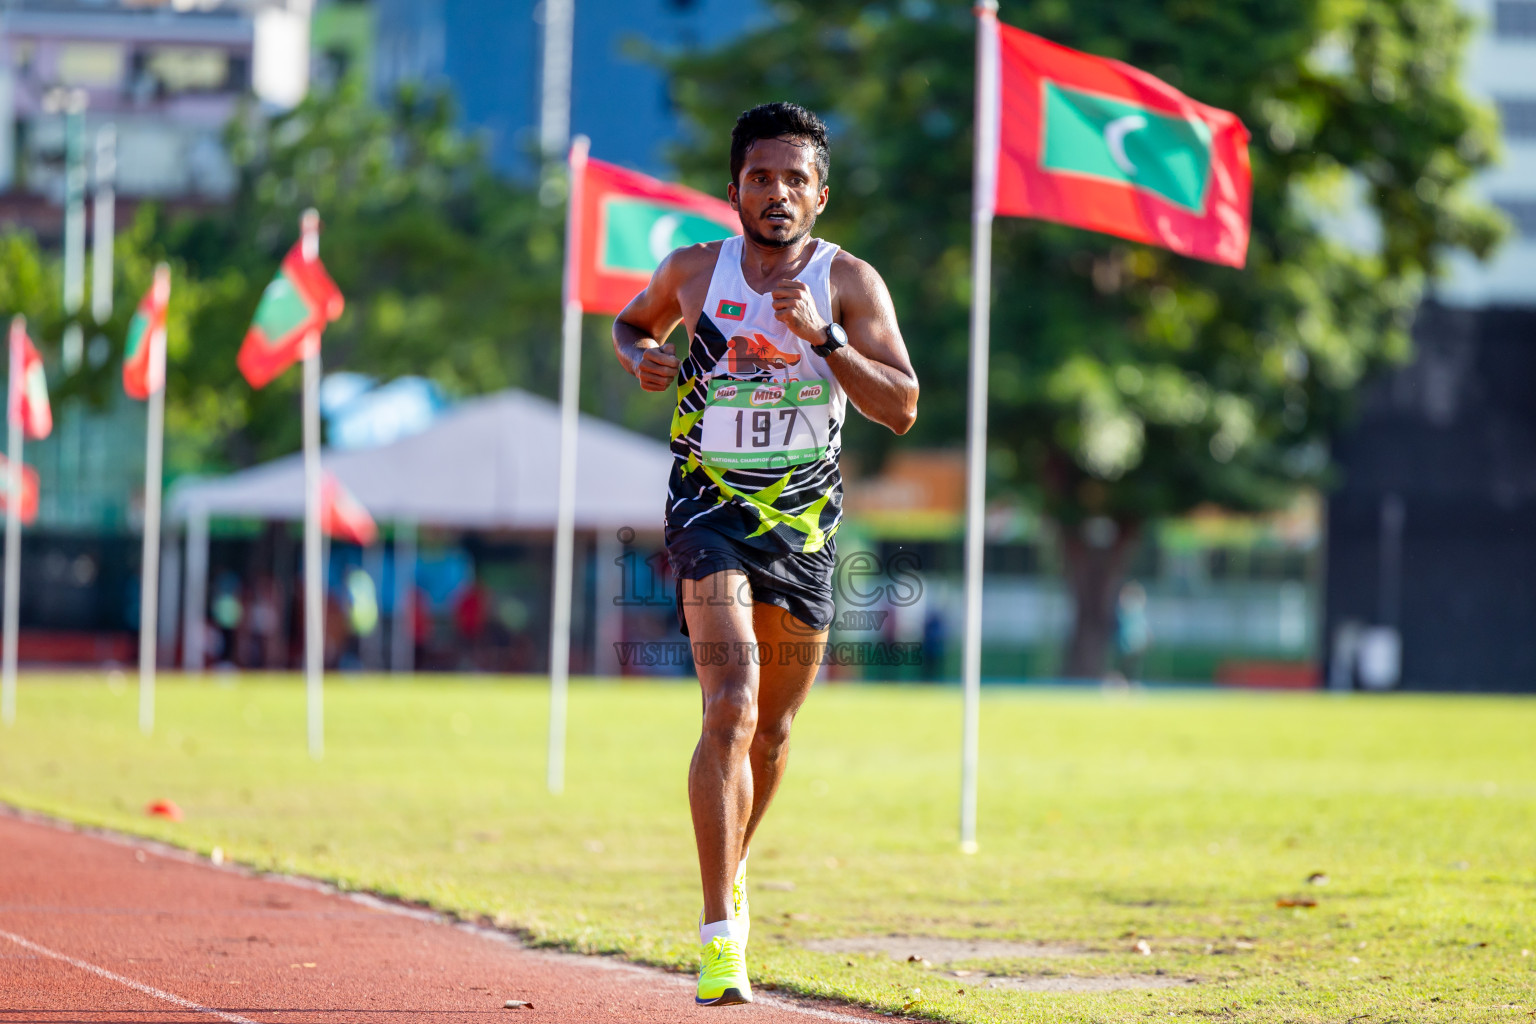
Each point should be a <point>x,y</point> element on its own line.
<point>657,367</point>
<point>794,307</point>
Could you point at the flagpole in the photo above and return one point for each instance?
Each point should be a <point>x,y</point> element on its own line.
<point>402,638</point>
<point>12,571</point>
<point>12,527</point>
<point>194,611</point>
<point>104,231</point>
<point>149,581</point>
<point>565,517</point>
<point>314,590</point>
<point>983,200</point>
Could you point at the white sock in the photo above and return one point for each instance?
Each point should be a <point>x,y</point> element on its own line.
<point>741,868</point>
<point>720,929</point>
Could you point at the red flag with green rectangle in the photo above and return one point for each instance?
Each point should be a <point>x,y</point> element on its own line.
<point>144,362</point>
<point>628,223</point>
<point>29,491</point>
<point>342,516</point>
<point>28,406</point>
<point>1098,144</point>
<point>294,309</point>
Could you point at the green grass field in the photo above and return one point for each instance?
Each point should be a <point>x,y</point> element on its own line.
<point>1177,819</point>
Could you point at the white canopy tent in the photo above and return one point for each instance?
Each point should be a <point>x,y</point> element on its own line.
<point>490,463</point>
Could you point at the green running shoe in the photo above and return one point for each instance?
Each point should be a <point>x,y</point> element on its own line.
<point>741,909</point>
<point>723,975</point>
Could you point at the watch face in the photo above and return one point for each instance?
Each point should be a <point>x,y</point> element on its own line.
<point>836,336</point>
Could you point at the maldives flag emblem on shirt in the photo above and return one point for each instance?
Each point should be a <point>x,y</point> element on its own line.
<point>293,311</point>
<point>628,223</point>
<point>144,363</point>
<point>1098,144</point>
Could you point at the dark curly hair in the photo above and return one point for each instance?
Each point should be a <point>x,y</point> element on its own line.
<point>778,121</point>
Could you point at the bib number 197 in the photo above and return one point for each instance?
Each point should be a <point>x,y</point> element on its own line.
<point>765,425</point>
<point>761,428</point>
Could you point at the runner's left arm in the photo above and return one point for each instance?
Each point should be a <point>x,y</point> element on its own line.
<point>873,368</point>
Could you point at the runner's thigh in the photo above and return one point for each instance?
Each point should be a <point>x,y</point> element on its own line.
<point>790,663</point>
<point>718,608</point>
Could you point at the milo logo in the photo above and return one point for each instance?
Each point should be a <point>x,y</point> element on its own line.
<point>729,391</point>
<point>768,395</point>
<point>813,391</point>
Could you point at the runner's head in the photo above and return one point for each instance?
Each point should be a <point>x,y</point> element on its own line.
<point>779,163</point>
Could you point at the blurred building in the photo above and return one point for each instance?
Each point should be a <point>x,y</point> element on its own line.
<point>1432,536</point>
<point>1500,70</point>
<point>490,52</point>
<point>131,100</point>
<point>167,76</point>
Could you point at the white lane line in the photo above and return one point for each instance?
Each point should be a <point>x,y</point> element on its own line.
<point>149,990</point>
<point>576,961</point>
<point>579,961</point>
<point>810,1011</point>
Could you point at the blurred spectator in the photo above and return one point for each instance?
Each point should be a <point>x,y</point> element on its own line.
<point>263,622</point>
<point>421,627</point>
<point>470,613</point>
<point>363,602</point>
<point>1133,634</point>
<point>228,614</point>
<point>933,644</point>
<point>338,631</point>
<point>518,652</point>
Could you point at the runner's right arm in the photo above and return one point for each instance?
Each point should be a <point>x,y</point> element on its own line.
<point>652,315</point>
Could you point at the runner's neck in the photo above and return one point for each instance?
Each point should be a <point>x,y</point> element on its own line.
<point>762,267</point>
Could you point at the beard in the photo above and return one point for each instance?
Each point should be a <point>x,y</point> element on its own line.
<point>795,237</point>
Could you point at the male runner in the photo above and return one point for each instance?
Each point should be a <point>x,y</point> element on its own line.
<point>785,329</point>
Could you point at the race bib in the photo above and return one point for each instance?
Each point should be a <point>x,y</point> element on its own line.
<point>762,425</point>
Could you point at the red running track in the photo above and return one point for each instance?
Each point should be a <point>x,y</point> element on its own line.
<point>101,928</point>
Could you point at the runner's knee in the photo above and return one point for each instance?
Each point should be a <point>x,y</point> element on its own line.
<point>730,716</point>
<point>771,738</point>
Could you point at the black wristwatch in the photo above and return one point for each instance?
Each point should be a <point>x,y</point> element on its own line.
<point>836,339</point>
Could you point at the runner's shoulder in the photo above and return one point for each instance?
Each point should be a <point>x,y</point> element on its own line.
<point>690,261</point>
<point>849,273</point>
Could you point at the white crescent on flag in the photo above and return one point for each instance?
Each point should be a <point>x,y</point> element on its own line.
<point>661,235</point>
<point>1114,137</point>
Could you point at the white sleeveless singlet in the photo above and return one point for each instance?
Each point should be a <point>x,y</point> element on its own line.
<point>758,425</point>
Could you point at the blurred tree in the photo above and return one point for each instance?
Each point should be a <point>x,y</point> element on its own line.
<point>447,271</point>
<point>30,279</point>
<point>1128,383</point>
<point>29,283</point>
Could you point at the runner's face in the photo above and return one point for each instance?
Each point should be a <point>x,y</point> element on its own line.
<point>778,194</point>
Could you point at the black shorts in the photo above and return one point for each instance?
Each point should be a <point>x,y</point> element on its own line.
<point>799,583</point>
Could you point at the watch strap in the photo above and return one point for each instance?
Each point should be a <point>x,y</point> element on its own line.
<point>836,338</point>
